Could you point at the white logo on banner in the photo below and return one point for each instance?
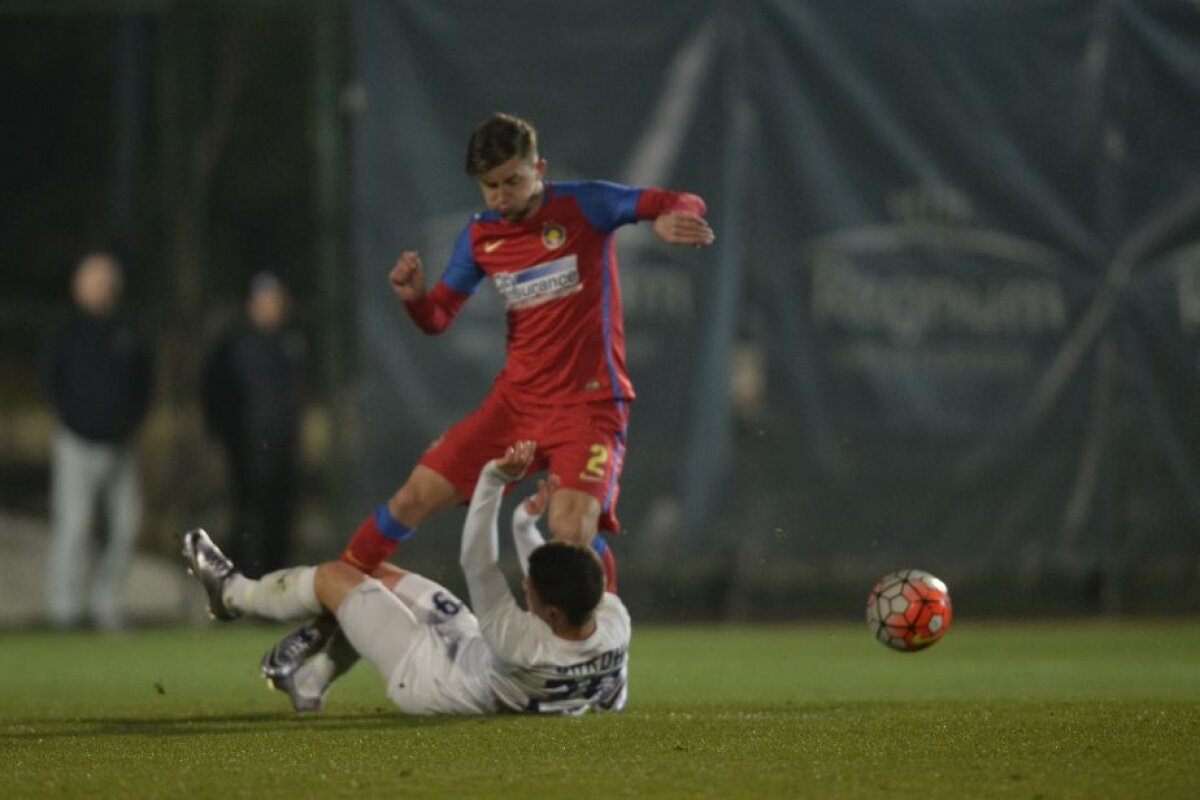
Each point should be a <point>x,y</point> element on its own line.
<point>540,284</point>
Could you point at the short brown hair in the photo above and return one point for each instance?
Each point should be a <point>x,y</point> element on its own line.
<point>569,577</point>
<point>497,139</point>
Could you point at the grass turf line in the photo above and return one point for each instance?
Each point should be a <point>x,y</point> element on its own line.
<point>1017,710</point>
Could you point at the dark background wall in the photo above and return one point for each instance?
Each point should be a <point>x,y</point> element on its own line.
<point>950,320</point>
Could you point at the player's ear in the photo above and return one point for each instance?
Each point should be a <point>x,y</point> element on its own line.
<point>539,168</point>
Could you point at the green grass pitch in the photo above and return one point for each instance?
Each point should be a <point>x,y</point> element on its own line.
<point>1022,710</point>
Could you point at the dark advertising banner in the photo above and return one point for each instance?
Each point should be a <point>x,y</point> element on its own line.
<point>951,320</point>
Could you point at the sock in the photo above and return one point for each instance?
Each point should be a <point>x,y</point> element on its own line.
<point>284,595</point>
<point>314,676</point>
<point>336,658</point>
<point>610,563</point>
<point>341,654</point>
<point>375,540</point>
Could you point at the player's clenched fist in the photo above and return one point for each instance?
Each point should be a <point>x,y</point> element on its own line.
<point>680,227</point>
<point>408,277</point>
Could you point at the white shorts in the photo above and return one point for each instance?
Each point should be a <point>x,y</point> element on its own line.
<point>411,637</point>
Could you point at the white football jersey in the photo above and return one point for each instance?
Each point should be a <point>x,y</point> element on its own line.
<point>528,668</point>
<point>524,664</point>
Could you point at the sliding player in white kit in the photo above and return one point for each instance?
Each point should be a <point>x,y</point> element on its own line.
<point>567,654</point>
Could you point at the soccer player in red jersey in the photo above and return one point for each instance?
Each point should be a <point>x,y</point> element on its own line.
<point>548,249</point>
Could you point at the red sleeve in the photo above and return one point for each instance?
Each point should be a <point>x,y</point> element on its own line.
<point>434,311</point>
<point>656,202</point>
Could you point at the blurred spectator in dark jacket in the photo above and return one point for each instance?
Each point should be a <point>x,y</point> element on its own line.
<point>97,375</point>
<point>253,398</point>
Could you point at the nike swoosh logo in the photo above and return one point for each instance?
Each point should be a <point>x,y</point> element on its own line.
<point>491,247</point>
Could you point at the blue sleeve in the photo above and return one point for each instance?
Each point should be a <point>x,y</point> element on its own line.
<point>462,273</point>
<point>606,205</point>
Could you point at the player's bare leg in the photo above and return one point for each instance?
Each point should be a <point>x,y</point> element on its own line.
<point>574,516</point>
<point>424,494</point>
<point>388,574</point>
<point>335,580</point>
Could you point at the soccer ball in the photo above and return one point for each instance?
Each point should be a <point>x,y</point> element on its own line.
<point>909,610</point>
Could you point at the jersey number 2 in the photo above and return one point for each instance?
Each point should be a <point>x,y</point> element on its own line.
<point>596,463</point>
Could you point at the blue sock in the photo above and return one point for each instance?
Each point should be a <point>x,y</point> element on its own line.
<point>599,545</point>
<point>389,527</point>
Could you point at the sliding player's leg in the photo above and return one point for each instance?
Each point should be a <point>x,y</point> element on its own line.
<point>305,664</point>
<point>415,660</point>
<point>283,595</point>
<point>430,602</point>
<point>375,622</point>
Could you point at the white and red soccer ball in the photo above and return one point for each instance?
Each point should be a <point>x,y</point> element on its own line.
<point>909,610</point>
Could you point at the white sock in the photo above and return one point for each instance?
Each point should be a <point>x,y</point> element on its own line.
<point>285,595</point>
<point>315,675</point>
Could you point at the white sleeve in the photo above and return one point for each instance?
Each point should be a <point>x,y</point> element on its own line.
<point>526,536</point>
<point>480,551</point>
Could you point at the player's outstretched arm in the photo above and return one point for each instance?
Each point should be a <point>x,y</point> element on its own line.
<point>526,536</point>
<point>678,216</point>
<point>480,551</point>
<point>684,228</point>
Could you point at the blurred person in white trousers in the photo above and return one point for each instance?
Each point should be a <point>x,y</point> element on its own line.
<point>97,375</point>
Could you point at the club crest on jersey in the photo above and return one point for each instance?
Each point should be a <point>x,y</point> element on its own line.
<point>554,236</point>
<point>540,284</point>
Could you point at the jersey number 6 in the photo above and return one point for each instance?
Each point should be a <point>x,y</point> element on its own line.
<point>448,605</point>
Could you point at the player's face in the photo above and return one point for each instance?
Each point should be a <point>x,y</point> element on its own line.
<point>514,189</point>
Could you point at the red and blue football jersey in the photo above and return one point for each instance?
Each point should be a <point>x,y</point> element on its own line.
<point>557,274</point>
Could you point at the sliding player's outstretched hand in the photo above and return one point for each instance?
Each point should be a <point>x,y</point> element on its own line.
<point>536,503</point>
<point>517,458</point>
<point>408,277</point>
<point>681,227</point>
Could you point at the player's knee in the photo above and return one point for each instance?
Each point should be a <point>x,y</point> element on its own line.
<point>333,581</point>
<point>337,571</point>
<point>571,524</point>
<point>388,574</point>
